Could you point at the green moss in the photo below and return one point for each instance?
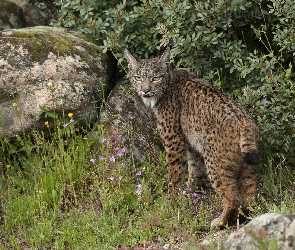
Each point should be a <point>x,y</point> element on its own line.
<point>43,40</point>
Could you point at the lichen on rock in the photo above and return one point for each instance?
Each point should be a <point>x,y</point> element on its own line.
<point>271,229</point>
<point>52,68</point>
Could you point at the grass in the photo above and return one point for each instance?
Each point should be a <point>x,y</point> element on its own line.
<point>60,192</point>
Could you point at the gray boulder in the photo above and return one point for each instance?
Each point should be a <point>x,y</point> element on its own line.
<point>11,16</point>
<point>268,231</point>
<point>126,119</point>
<point>51,68</point>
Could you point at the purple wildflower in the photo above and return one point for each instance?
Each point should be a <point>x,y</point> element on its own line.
<point>103,139</point>
<point>196,195</point>
<point>263,99</point>
<point>100,158</point>
<point>93,160</point>
<point>138,173</point>
<point>120,153</point>
<point>138,191</point>
<point>65,125</point>
<point>120,177</point>
<point>72,120</point>
<point>123,165</point>
<point>112,159</point>
<point>183,192</point>
<point>115,138</point>
<point>112,178</point>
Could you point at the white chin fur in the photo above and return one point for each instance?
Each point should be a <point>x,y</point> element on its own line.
<point>149,102</point>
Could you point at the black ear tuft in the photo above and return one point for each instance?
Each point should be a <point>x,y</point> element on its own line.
<point>252,158</point>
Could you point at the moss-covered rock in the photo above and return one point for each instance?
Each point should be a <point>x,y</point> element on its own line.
<point>11,16</point>
<point>49,67</point>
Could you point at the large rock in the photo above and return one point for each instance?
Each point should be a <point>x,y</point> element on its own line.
<point>50,68</point>
<point>268,231</point>
<point>126,118</point>
<point>11,16</point>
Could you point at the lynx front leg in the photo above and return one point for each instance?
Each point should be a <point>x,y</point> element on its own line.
<point>175,160</point>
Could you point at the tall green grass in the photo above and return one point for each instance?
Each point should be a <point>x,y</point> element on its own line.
<point>59,191</point>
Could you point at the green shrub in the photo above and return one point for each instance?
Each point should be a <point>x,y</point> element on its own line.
<point>273,107</point>
<point>245,48</point>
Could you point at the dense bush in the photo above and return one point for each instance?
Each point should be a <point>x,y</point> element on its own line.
<point>245,48</point>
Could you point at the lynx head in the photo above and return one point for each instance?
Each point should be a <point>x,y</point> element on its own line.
<point>149,77</point>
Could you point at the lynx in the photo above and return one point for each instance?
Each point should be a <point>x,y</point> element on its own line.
<point>200,126</point>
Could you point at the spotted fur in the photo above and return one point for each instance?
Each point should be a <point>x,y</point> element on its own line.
<point>201,126</point>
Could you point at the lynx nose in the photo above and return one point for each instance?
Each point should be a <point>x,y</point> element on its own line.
<point>146,92</point>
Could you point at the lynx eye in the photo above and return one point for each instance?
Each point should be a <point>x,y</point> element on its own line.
<point>156,78</point>
<point>137,78</point>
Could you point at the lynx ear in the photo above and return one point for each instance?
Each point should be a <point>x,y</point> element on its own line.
<point>165,58</point>
<point>130,59</point>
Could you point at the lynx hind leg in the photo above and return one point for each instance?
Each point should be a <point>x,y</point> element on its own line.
<point>197,176</point>
<point>223,176</point>
<point>248,187</point>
